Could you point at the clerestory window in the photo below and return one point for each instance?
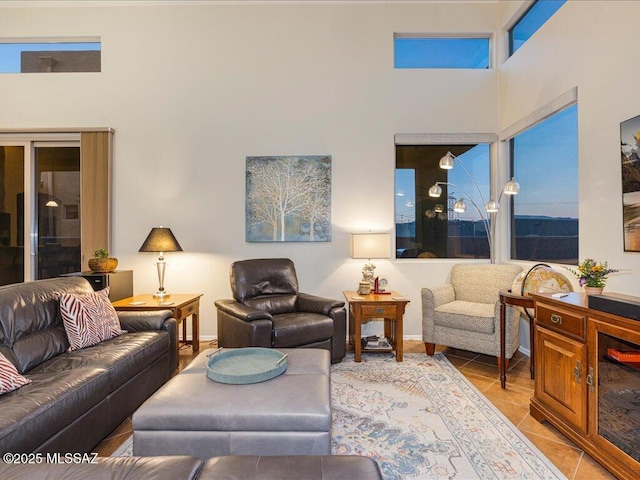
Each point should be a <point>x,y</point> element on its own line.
<point>423,51</point>
<point>531,20</point>
<point>50,56</point>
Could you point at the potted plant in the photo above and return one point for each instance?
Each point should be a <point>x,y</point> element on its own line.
<point>592,275</point>
<point>102,262</point>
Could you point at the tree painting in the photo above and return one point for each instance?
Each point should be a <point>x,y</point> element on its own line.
<point>288,199</point>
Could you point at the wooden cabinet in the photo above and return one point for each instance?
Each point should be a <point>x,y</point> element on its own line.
<point>579,388</point>
<point>120,282</point>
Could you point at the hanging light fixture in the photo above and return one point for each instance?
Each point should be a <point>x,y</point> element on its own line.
<point>447,162</point>
<point>52,200</point>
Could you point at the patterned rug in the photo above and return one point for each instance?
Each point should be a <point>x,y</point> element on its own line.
<point>422,419</point>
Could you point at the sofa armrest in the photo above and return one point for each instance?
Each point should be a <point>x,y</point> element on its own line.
<point>138,321</point>
<point>241,311</point>
<point>315,304</point>
<point>145,320</point>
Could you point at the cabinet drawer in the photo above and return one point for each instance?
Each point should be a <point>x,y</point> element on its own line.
<point>562,321</point>
<point>382,311</point>
<point>187,310</point>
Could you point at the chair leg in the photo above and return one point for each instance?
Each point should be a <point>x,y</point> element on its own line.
<point>506,364</point>
<point>430,348</point>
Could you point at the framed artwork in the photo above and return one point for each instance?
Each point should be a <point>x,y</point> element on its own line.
<point>630,155</point>
<point>288,199</point>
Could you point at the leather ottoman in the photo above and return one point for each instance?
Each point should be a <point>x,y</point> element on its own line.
<point>193,415</point>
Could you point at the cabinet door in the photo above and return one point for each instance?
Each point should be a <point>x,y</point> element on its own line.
<point>561,376</point>
<point>614,411</point>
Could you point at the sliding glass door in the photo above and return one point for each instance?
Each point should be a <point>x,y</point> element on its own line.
<point>57,226</point>
<point>40,232</point>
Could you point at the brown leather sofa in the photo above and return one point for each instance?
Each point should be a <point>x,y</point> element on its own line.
<point>267,310</point>
<point>76,398</point>
<point>307,467</point>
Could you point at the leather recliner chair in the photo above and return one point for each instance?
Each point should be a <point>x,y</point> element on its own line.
<point>269,311</point>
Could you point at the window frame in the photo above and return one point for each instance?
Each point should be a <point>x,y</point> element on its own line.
<point>58,42</point>
<point>488,139</point>
<point>442,36</point>
<point>518,17</point>
<point>564,101</point>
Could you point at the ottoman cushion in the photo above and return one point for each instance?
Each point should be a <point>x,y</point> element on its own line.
<point>193,415</point>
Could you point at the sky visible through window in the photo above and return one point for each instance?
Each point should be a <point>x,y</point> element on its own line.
<point>412,52</point>
<point>476,160</point>
<point>10,52</point>
<point>531,21</point>
<point>546,166</point>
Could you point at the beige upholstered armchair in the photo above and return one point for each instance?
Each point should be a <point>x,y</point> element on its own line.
<point>465,314</point>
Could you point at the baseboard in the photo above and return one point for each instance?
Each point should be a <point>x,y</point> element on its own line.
<point>208,338</point>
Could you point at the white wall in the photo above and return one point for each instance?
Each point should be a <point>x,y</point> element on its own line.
<point>588,45</point>
<point>192,90</point>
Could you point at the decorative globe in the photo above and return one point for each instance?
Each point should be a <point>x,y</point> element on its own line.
<point>540,278</point>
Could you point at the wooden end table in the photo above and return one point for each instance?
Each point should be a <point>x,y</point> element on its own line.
<point>363,308</point>
<point>508,298</point>
<point>182,305</point>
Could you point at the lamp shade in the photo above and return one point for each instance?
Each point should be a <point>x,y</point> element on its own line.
<point>160,239</point>
<point>370,245</point>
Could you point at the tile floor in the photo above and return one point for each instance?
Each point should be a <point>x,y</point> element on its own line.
<point>482,371</point>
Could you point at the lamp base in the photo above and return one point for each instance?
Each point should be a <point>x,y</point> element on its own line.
<point>161,295</point>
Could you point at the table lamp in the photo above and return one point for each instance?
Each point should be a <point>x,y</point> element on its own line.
<point>370,245</point>
<point>161,240</point>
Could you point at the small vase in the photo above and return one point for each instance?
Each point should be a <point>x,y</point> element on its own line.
<point>593,290</point>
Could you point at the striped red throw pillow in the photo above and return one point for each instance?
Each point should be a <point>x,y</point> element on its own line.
<point>10,379</point>
<point>89,319</point>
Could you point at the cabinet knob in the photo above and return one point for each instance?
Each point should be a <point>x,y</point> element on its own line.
<point>379,310</point>
<point>557,319</point>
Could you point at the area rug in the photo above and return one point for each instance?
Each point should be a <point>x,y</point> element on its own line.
<point>422,419</point>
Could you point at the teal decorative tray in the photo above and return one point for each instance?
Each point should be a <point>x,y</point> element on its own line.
<point>242,366</point>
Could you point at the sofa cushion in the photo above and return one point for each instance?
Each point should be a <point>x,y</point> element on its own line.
<point>30,323</point>
<point>53,400</point>
<point>481,282</point>
<point>274,304</point>
<point>262,276</point>
<point>89,319</point>
<point>10,379</point>
<point>122,357</point>
<point>301,328</point>
<point>121,468</point>
<point>471,316</point>
<point>309,467</point>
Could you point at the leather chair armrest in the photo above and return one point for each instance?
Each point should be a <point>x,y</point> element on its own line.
<point>243,312</point>
<point>316,304</point>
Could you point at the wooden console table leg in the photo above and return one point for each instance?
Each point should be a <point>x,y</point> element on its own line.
<point>195,332</point>
<point>503,334</point>
<point>357,342</point>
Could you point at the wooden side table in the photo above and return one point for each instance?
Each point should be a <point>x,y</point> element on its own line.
<point>508,298</point>
<point>362,308</point>
<point>182,305</point>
